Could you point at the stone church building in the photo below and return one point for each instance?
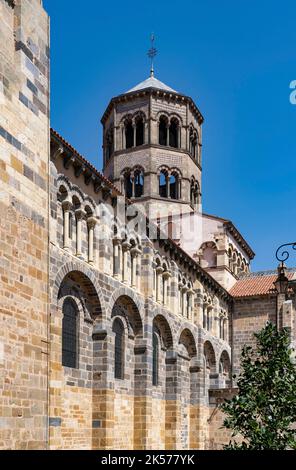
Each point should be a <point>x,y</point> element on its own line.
<point>111,336</point>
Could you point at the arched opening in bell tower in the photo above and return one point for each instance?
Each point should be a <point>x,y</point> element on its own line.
<point>163,130</point>
<point>174,186</point>
<point>139,131</point>
<point>129,134</point>
<point>128,185</point>
<point>173,133</point>
<point>139,183</point>
<point>163,184</point>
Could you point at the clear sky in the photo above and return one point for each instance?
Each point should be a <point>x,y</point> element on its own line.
<point>235,58</point>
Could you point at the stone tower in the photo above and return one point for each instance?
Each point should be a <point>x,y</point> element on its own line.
<point>24,207</point>
<point>152,146</point>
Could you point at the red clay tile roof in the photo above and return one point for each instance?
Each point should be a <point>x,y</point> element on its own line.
<point>254,284</point>
<point>55,134</point>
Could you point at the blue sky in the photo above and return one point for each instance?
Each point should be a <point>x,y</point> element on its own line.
<point>236,60</point>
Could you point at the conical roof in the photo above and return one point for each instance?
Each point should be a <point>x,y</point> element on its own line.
<point>151,82</point>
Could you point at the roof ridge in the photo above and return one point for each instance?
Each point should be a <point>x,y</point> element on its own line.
<point>270,272</point>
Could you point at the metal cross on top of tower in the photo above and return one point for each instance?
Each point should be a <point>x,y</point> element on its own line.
<point>151,54</point>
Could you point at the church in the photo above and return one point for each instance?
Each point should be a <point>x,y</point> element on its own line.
<point>123,307</point>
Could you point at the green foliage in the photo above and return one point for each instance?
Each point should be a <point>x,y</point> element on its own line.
<point>264,411</point>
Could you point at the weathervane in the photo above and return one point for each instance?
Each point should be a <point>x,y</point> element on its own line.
<point>151,54</point>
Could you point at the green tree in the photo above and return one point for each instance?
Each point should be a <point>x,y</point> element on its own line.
<point>264,411</point>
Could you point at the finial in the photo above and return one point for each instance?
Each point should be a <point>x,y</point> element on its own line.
<point>151,54</point>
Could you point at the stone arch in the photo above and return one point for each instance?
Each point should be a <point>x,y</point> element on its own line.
<point>134,308</point>
<point>177,117</point>
<point>62,179</point>
<point>210,356</point>
<point>225,362</point>
<point>165,330</point>
<point>88,201</point>
<point>89,279</point>
<point>187,340</point>
<point>139,114</point>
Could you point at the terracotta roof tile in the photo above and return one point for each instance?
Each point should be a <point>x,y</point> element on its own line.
<point>256,284</point>
<point>84,160</point>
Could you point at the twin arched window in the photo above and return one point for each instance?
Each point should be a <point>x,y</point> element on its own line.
<point>134,132</point>
<point>169,132</point>
<point>169,184</point>
<point>69,334</point>
<point>133,183</point>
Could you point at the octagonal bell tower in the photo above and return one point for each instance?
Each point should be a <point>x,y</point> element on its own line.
<point>152,145</point>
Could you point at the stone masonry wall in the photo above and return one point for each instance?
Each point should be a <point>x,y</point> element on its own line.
<point>24,157</point>
<point>250,315</point>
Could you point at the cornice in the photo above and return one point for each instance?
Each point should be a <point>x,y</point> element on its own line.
<point>239,238</point>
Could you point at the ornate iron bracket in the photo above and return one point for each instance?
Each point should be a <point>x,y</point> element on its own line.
<point>281,254</point>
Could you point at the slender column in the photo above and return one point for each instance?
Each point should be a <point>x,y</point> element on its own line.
<point>116,257</point>
<point>123,138</point>
<point>146,133</point>
<point>168,136</point>
<point>91,223</point>
<point>133,184</point>
<point>159,272</point>
<point>66,205</point>
<point>79,214</point>
<point>122,185</point>
<point>184,300</point>
<point>168,189</point>
<point>166,276</point>
<point>125,250</point>
<point>135,252</point>
<point>135,134</point>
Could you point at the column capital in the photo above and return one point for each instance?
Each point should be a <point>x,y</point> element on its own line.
<point>159,270</point>
<point>91,222</point>
<point>80,214</point>
<point>117,240</point>
<point>135,251</point>
<point>126,246</point>
<point>67,205</point>
<point>166,274</point>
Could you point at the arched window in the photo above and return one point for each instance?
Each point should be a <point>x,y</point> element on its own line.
<point>139,183</point>
<point>118,329</point>
<point>129,134</point>
<point>128,185</point>
<point>139,131</point>
<point>174,130</point>
<point>163,184</point>
<point>174,185</point>
<point>163,131</point>
<point>69,334</point>
<point>155,361</point>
